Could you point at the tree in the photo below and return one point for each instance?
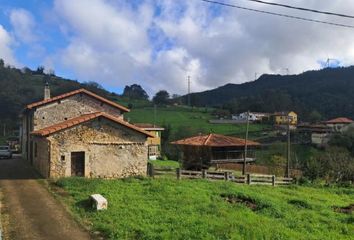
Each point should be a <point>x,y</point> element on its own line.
<point>162,97</point>
<point>40,70</point>
<point>135,91</point>
<point>92,84</point>
<point>2,63</point>
<point>314,116</point>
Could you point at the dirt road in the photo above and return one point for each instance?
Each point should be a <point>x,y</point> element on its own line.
<point>33,212</point>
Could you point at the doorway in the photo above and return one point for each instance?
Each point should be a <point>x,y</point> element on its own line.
<point>78,164</point>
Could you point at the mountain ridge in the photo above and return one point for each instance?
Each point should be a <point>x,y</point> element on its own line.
<point>329,92</point>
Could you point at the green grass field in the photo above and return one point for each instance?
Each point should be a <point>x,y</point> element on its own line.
<point>201,209</point>
<point>164,163</point>
<point>195,120</point>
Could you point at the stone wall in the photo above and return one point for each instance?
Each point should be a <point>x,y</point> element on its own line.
<point>68,108</point>
<point>111,150</point>
<point>41,155</point>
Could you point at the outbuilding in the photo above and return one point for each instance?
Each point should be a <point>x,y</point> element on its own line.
<point>82,134</point>
<point>202,151</point>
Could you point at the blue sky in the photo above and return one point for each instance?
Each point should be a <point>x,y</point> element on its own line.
<point>158,43</point>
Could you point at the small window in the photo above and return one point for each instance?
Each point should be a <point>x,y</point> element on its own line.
<point>65,119</point>
<point>62,157</point>
<point>101,104</point>
<point>43,117</point>
<point>59,102</point>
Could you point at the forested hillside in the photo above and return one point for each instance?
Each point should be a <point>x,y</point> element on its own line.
<point>327,93</point>
<point>21,87</point>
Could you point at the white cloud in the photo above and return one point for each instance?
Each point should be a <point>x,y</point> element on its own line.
<point>110,42</point>
<point>6,52</point>
<point>23,25</point>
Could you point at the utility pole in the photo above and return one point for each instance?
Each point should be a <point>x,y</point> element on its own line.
<point>189,90</point>
<point>288,150</point>
<point>328,61</point>
<point>287,71</point>
<point>154,115</point>
<point>246,139</point>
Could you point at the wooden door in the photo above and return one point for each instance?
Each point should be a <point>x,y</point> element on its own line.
<point>78,164</point>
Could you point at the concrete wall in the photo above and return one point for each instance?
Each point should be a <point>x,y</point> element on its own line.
<point>111,150</point>
<point>68,108</point>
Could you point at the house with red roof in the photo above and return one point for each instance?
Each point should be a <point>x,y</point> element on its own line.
<point>82,134</point>
<point>337,124</point>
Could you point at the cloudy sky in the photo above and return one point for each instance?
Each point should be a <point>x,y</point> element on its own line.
<point>158,43</point>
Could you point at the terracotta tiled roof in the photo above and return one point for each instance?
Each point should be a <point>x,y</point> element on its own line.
<point>215,140</point>
<point>340,120</point>
<point>85,118</point>
<point>149,126</point>
<point>69,94</point>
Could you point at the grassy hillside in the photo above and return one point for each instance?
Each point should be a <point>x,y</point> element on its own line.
<point>185,120</point>
<point>200,209</point>
<point>19,88</point>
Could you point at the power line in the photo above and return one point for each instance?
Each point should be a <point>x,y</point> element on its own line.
<point>278,14</point>
<point>302,9</point>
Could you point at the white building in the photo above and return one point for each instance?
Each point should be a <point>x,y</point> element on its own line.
<point>252,116</point>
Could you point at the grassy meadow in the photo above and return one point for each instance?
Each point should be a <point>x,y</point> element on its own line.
<point>194,120</point>
<point>200,209</point>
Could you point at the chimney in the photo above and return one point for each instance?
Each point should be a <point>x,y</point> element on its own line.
<point>46,91</point>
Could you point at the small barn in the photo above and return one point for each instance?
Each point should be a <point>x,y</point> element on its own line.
<point>202,151</point>
<point>91,145</point>
<point>82,134</point>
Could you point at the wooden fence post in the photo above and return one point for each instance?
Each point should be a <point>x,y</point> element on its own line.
<point>178,172</point>
<point>150,170</point>
<point>249,179</point>
<point>273,180</point>
<point>204,173</point>
<point>226,176</point>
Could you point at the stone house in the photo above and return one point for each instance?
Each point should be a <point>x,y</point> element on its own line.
<point>82,134</point>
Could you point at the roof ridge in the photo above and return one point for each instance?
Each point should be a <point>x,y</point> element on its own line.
<point>208,138</point>
<point>85,118</point>
<point>74,92</point>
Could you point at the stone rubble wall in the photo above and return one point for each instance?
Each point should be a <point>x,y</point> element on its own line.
<point>111,150</point>
<point>41,160</point>
<point>70,107</point>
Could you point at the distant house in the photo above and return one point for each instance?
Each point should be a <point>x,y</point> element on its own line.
<point>318,134</point>
<point>284,118</point>
<point>338,123</point>
<point>154,143</point>
<point>82,134</point>
<point>252,116</point>
<point>201,151</point>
